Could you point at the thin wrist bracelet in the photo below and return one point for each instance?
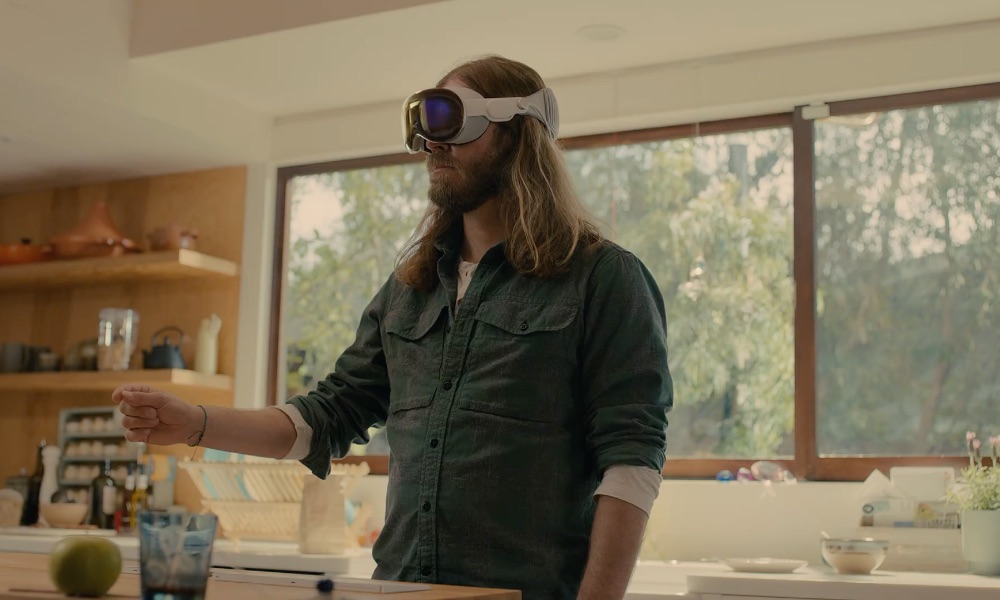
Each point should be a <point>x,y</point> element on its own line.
<point>204,426</point>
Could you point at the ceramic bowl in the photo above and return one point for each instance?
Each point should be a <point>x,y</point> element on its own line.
<point>22,253</point>
<point>64,514</point>
<point>858,556</point>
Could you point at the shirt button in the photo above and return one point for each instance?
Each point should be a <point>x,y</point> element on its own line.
<point>427,506</point>
<point>425,571</point>
<point>447,385</point>
<point>524,326</point>
<point>434,443</point>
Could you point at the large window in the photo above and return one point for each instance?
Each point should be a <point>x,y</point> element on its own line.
<point>711,217</point>
<point>908,278</point>
<point>832,302</point>
<point>344,230</point>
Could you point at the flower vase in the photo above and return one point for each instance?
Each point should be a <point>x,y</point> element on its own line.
<point>981,541</point>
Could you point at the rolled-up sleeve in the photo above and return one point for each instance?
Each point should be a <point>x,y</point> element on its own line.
<point>351,399</point>
<point>627,385</point>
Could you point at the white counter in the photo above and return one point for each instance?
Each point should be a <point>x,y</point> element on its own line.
<point>712,581</point>
<point>276,556</point>
<point>651,580</point>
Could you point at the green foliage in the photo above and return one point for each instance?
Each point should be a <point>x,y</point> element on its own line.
<point>908,266</point>
<point>979,486</point>
<point>334,272</point>
<point>720,247</point>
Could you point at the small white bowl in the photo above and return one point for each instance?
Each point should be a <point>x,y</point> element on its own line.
<point>63,514</point>
<point>854,556</point>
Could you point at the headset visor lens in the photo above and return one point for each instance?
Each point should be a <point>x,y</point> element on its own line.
<point>436,115</point>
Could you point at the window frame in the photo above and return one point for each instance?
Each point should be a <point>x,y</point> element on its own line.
<point>806,463</point>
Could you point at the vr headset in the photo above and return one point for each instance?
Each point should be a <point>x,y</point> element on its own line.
<point>458,115</point>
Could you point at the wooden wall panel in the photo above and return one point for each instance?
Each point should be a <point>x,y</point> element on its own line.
<point>210,201</point>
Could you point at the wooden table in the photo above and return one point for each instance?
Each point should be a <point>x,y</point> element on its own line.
<point>26,577</point>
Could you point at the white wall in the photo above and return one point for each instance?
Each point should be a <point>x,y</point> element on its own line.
<point>255,288</point>
<point>698,520</point>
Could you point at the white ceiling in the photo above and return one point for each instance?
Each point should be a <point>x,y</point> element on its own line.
<point>386,56</point>
<point>76,106</point>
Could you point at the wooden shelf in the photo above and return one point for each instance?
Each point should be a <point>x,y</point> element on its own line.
<point>100,381</point>
<point>132,268</point>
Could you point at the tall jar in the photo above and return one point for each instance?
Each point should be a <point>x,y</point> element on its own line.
<point>117,338</point>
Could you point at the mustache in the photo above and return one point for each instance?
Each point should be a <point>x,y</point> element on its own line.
<point>439,161</point>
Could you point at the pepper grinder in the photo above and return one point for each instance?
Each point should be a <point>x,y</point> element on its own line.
<point>50,482</point>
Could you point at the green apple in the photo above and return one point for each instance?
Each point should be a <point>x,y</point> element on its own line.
<point>85,565</point>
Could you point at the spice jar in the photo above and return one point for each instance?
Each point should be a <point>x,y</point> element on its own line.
<point>117,337</point>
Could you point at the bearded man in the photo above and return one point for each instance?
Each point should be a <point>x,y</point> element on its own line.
<point>516,358</point>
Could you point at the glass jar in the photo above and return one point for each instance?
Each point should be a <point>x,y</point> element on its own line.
<point>117,338</point>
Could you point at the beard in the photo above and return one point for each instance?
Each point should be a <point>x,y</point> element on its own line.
<point>468,186</point>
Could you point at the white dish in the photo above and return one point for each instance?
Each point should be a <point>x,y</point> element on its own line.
<point>764,565</point>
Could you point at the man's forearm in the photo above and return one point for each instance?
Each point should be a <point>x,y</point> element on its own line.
<point>268,432</point>
<point>614,547</point>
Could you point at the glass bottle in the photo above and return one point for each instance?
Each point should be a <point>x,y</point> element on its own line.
<point>140,496</point>
<point>29,513</point>
<point>126,519</point>
<point>103,498</point>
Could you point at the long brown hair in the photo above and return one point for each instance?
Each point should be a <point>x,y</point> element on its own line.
<point>546,224</point>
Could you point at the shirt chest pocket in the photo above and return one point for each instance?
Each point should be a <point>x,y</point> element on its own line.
<point>413,343</point>
<point>519,353</point>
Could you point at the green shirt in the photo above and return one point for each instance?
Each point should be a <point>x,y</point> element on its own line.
<point>501,415</point>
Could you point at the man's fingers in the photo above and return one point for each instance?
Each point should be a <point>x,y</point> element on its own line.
<point>137,435</point>
<point>139,423</point>
<point>142,412</point>
<point>152,398</point>
<point>119,394</point>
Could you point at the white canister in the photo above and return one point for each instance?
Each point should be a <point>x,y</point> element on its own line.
<point>323,520</point>
<point>206,358</point>
<point>981,541</point>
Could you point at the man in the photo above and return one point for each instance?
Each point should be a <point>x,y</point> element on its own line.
<point>517,360</point>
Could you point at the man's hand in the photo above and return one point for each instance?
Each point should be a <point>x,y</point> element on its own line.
<point>156,417</point>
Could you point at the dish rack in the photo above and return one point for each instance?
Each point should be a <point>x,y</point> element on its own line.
<point>261,499</point>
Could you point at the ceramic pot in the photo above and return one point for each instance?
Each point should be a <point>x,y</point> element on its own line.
<point>172,237</point>
<point>22,253</point>
<point>95,236</point>
<point>981,541</point>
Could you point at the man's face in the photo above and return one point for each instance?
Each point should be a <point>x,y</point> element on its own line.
<point>464,176</point>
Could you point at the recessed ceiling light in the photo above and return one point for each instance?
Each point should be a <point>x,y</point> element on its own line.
<point>601,32</point>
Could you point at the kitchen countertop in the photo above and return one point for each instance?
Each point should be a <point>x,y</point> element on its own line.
<point>25,577</point>
<point>651,580</point>
<point>710,581</point>
<point>279,556</point>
